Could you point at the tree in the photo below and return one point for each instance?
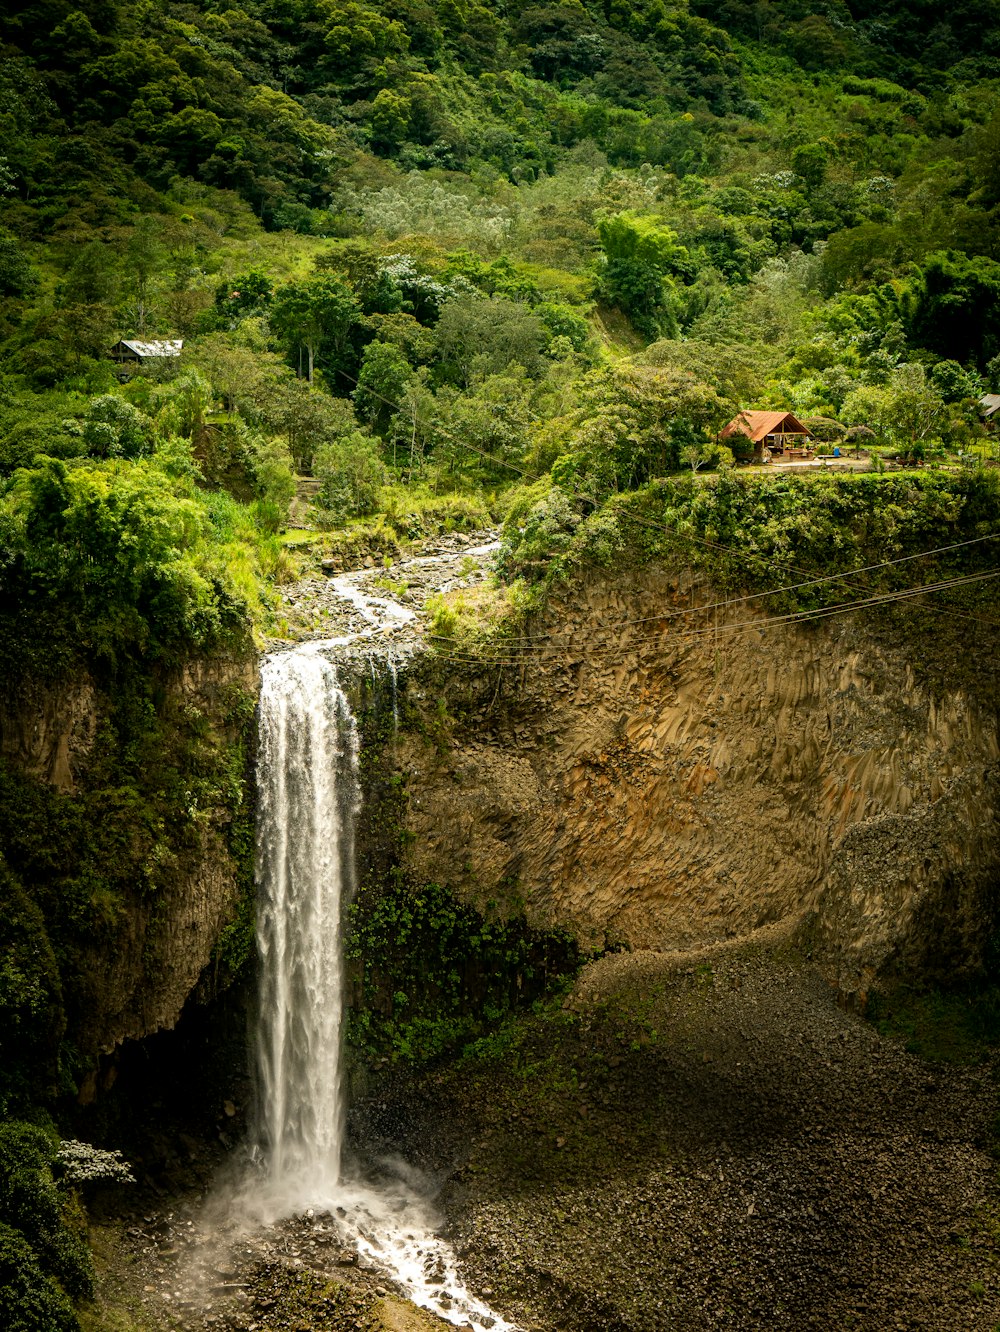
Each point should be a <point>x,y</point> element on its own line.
<point>956,307</point>
<point>954,382</point>
<point>908,410</point>
<point>94,276</point>
<point>274,479</point>
<point>317,314</point>
<point>116,429</point>
<point>809,161</point>
<point>483,337</point>
<point>306,417</point>
<point>353,474</point>
<point>248,293</point>
<point>642,259</point>
<point>382,380</point>
<point>358,37</point>
<point>697,456</point>
<point>633,424</point>
<point>483,433</point>
<point>918,409</point>
<point>144,259</point>
<point>390,120</point>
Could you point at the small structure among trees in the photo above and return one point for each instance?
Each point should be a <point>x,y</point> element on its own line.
<point>989,405</point>
<point>777,432</point>
<point>130,352</point>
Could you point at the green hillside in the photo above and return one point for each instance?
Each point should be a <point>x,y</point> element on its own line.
<point>469,224</point>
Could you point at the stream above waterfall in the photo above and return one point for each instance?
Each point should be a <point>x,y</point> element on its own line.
<point>387,603</point>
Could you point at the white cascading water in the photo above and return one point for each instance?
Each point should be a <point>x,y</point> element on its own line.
<point>308,797</point>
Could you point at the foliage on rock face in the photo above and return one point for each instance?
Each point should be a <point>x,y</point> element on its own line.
<point>433,970</point>
<point>161,778</point>
<point>32,1019</point>
<point>427,971</point>
<point>34,1302</point>
<point>114,573</point>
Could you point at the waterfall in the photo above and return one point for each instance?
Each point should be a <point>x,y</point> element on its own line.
<point>394,681</point>
<point>308,797</point>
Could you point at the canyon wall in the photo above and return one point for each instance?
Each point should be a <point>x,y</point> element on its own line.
<point>131,955</point>
<point>655,788</point>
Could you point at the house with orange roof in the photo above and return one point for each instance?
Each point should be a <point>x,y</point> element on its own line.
<point>769,432</point>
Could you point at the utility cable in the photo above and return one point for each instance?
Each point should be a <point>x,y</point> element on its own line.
<point>611,654</point>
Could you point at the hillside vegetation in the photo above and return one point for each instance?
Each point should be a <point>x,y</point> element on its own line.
<point>454,262</point>
<point>445,246</point>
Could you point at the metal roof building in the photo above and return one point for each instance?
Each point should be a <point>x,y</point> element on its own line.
<point>131,350</point>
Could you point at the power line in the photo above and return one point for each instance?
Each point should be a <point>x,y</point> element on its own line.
<point>790,618</point>
<point>790,587</point>
<point>693,538</point>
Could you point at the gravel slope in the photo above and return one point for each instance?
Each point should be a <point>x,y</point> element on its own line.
<point>709,1142</point>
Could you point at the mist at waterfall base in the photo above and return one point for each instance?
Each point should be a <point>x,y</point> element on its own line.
<point>308,798</point>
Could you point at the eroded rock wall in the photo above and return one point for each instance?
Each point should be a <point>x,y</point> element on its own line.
<point>131,976</point>
<point>644,785</point>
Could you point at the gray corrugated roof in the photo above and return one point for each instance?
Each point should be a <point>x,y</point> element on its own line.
<point>990,403</point>
<point>163,347</point>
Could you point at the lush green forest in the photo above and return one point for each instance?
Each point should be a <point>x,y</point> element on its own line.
<point>457,263</point>
<point>418,249</point>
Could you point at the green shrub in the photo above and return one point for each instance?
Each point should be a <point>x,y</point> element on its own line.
<point>30,1301</point>
<point>116,429</point>
<point>31,1204</point>
<point>25,441</point>
<point>109,559</point>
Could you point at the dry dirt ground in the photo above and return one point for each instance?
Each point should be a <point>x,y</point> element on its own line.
<point>690,1142</point>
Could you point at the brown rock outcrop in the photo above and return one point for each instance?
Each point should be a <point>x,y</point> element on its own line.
<point>661,788</point>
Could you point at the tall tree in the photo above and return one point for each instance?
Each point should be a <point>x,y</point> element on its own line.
<point>642,259</point>
<point>314,314</point>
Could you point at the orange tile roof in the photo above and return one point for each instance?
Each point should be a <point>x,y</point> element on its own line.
<point>758,425</point>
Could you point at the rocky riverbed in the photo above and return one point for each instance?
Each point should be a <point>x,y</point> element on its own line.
<point>699,1141</point>
<point>386,600</point>
<point>707,1141</point>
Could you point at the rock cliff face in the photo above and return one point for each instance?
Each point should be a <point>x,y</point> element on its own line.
<point>662,789</point>
<point>134,975</point>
